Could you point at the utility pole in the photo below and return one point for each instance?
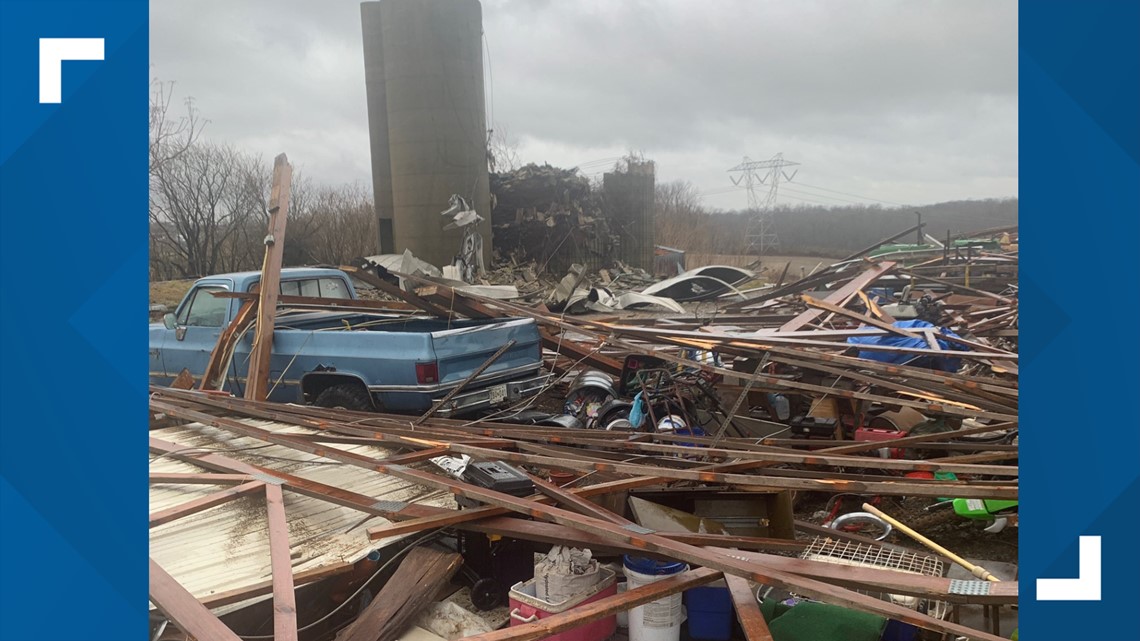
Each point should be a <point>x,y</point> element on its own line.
<point>761,233</point>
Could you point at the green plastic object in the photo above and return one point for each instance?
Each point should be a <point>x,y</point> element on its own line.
<point>945,476</point>
<point>981,509</point>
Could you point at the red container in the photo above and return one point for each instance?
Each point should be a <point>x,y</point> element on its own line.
<point>526,607</point>
<point>873,434</point>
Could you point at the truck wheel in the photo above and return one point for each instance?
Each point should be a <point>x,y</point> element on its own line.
<point>345,396</point>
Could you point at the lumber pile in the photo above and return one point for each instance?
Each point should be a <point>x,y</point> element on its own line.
<point>563,514</point>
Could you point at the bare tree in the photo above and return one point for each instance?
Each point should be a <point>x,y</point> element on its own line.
<point>677,198</point>
<point>170,136</point>
<point>339,225</point>
<point>197,204</point>
<point>502,150</point>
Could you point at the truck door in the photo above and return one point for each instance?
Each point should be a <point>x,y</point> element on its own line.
<point>198,324</point>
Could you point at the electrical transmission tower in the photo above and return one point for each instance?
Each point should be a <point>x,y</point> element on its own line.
<point>761,234</point>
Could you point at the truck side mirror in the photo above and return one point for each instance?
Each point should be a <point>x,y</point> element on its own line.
<point>169,321</point>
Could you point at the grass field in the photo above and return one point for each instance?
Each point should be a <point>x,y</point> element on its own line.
<point>169,292</point>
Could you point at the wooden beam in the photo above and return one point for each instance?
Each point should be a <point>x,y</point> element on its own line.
<point>203,503</point>
<point>465,382</point>
<point>284,595</point>
<point>747,609</point>
<point>841,295</point>
<point>576,502</point>
<point>867,320</point>
<point>601,608</point>
<point>329,304</point>
<point>257,384</point>
<point>199,479</point>
<point>183,609</point>
<point>577,352</point>
<point>657,544</point>
<point>893,488</point>
<point>955,286</point>
<point>691,554</point>
<point>896,488</point>
<point>392,290</point>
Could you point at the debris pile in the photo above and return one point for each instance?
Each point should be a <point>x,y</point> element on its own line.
<point>681,447</point>
<point>549,218</point>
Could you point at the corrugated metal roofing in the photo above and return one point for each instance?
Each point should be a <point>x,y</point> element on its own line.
<point>227,547</point>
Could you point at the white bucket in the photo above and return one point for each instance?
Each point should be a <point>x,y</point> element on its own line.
<point>623,616</point>
<point>658,620</point>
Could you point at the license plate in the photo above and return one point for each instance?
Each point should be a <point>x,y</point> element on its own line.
<point>498,394</point>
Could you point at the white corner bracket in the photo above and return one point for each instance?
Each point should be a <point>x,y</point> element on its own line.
<point>1086,587</point>
<point>53,51</point>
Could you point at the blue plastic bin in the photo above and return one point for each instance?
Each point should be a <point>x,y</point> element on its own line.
<point>710,613</point>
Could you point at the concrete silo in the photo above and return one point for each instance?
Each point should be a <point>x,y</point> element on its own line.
<point>428,132</point>
<point>377,123</point>
<point>629,196</point>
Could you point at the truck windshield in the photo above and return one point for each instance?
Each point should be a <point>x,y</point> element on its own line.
<point>204,309</point>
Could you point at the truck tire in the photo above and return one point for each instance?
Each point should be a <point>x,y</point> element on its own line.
<point>346,396</point>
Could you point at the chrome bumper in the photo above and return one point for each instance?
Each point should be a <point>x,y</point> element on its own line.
<point>489,397</point>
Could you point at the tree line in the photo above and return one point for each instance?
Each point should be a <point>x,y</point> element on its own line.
<point>208,204</point>
<point>208,209</point>
<point>815,230</point>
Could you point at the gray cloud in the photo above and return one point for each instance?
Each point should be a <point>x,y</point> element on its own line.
<point>896,100</point>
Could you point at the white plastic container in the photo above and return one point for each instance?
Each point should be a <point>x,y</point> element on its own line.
<point>623,616</point>
<point>658,620</point>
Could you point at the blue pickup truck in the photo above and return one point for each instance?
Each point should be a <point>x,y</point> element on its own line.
<point>354,359</point>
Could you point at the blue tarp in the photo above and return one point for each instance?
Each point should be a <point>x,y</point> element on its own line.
<point>894,340</point>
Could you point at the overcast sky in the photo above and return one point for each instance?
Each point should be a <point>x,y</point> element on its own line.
<point>899,101</point>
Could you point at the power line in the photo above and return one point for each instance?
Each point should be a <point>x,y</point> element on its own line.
<point>720,190</point>
<point>725,190</point>
<point>808,193</point>
<point>844,193</point>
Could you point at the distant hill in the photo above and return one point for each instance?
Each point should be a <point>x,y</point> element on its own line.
<point>830,231</point>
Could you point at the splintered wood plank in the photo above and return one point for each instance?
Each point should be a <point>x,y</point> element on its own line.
<point>183,609</point>
<point>411,589</point>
